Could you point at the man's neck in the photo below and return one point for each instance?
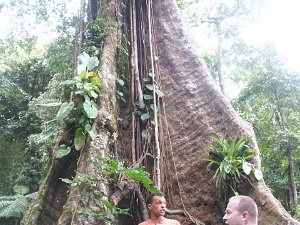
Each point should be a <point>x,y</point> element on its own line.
<point>157,219</point>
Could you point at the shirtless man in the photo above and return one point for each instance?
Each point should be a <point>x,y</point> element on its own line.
<point>156,204</point>
<point>241,210</point>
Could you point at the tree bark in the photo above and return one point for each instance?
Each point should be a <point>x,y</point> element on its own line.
<point>67,201</point>
<point>292,181</point>
<point>220,57</point>
<point>293,198</point>
<point>195,110</point>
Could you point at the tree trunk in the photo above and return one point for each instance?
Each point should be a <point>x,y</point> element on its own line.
<point>293,198</point>
<point>58,202</point>
<point>292,183</point>
<point>220,57</point>
<point>193,109</point>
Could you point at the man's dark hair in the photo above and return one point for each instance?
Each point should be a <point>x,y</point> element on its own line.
<point>150,197</point>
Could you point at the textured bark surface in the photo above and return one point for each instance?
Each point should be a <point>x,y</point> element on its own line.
<point>195,110</point>
<point>58,203</point>
<point>47,208</point>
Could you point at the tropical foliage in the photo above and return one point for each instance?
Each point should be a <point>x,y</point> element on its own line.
<point>14,206</point>
<point>231,162</point>
<point>271,103</point>
<point>112,172</point>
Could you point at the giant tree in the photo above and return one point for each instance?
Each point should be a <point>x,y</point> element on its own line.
<point>157,108</point>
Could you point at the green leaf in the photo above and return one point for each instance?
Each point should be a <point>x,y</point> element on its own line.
<point>62,151</point>
<point>258,174</point>
<point>159,93</point>
<point>87,127</point>
<point>87,86</point>
<point>108,204</point>
<point>90,108</point>
<point>145,134</point>
<point>51,104</point>
<point>85,62</point>
<point>150,87</point>
<point>92,134</point>
<point>247,167</point>
<point>79,140</point>
<point>21,189</point>
<point>64,111</point>
<point>227,166</point>
<point>82,119</point>
<point>68,181</point>
<point>93,94</point>
<point>121,82</point>
<point>68,82</point>
<point>47,134</point>
<point>145,116</point>
<point>148,97</point>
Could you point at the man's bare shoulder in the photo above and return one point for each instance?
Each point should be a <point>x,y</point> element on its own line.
<point>166,222</point>
<point>172,222</point>
<point>147,222</point>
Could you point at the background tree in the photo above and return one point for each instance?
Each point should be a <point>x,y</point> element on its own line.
<point>224,20</point>
<point>26,69</point>
<point>270,102</point>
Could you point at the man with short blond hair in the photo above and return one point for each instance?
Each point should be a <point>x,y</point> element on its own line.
<point>241,210</point>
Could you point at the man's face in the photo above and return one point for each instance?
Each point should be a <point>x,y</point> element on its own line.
<point>232,215</point>
<point>158,206</point>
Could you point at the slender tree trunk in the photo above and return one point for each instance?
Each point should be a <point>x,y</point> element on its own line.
<point>292,182</point>
<point>220,57</point>
<point>293,198</point>
<point>78,35</point>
